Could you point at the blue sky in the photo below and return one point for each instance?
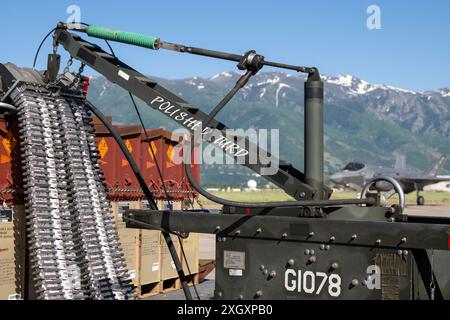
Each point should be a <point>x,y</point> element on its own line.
<point>411,50</point>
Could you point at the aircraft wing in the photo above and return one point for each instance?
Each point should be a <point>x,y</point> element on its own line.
<point>421,180</point>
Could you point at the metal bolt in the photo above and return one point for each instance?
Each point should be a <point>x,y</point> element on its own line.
<point>403,240</point>
<point>258,231</point>
<point>258,293</point>
<point>334,265</point>
<point>332,238</point>
<point>273,274</point>
<point>238,232</point>
<point>302,195</point>
<point>378,242</point>
<point>405,253</point>
<point>307,252</point>
<point>312,252</point>
<point>291,262</point>
<point>284,235</point>
<point>217,228</point>
<point>322,247</point>
<point>262,267</point>
<point>400,252</point>
<point>241,297</point>
<point>354,237</point>
<point>265,272</point>
<point>312,259</point>
<point>355,283</point>
<point>219,294</point>
<point>391,220</point>
<point>311,234</point>
<point>328,247</point>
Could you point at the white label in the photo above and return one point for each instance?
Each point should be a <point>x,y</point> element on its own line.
<point>132,274</point>
<point>234,260</point>
<point>235,272</point>
<point>312,282</point>
<point>124,75</point>
<point>155,266</point>
<point>173,264</point>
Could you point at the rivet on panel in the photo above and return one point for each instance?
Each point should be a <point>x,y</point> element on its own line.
<point>355,283</point>
<point>334,265</point>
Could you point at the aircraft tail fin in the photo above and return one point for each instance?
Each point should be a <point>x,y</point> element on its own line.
<point>442,160</point>
<point>400,161</point>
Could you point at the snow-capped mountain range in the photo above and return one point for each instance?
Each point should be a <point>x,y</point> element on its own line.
<point>424,113</point>
<point>363,121</point>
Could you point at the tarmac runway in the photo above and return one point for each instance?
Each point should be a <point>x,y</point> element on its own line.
<point>429,211</point>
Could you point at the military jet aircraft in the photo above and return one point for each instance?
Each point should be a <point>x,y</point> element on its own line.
<point>355,175</point>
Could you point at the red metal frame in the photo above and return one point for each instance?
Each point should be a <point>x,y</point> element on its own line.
<point>119,178</point>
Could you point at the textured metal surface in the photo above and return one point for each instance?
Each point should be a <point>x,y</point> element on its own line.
<point>288,261</point>
<point>119,177</point>
<point>74,251</point>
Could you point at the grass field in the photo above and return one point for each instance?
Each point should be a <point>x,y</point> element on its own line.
<point>431,198</point>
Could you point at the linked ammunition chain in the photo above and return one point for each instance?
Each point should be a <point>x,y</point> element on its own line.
<point>74,250</point>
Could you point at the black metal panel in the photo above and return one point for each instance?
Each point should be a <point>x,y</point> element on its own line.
<point>274,270</point>
<point>373,234</point>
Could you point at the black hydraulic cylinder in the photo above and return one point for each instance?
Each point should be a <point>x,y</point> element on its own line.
<point>314,136</point>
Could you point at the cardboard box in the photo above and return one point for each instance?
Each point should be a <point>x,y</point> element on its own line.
<point>168,269</point>
<point>191,250</point>
<point>141,248</point>
<point>7,263</point>
<point>127,237</point>
<point>150,252</point>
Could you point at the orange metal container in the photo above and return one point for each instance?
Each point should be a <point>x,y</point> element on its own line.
<point>151,155</point>
<point>120,180</point>
<point>7,145</point>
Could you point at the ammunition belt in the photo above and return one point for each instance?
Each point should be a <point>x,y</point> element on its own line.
<point>74,249</point>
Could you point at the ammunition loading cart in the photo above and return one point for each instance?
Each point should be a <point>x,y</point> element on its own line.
<point>310,248</point>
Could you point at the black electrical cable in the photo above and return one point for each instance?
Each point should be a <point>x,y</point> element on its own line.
<point>230,203</point>
<point>165,233</point>
<point>188,268</point>
<point>8,107</point>
<point>241,82</point>
<point>48,35</point>
<point>40,46</point>
<point>127,155</point>
<point>162,179</point>
<point>143,186</point>
<point>151,148</point>
<point>110,48</point>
